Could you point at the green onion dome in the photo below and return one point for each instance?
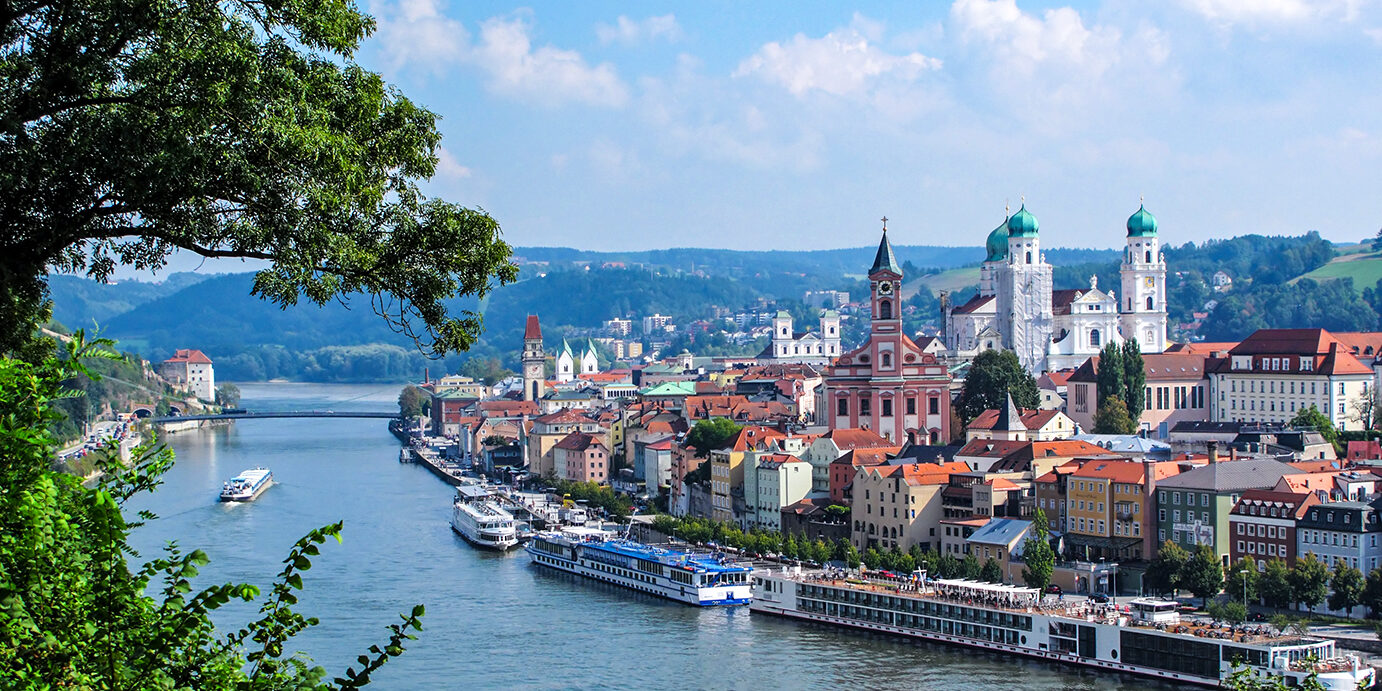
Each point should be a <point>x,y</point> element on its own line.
<point>1141,224</point>
<point>997,244</point>
<point>1022,224</point>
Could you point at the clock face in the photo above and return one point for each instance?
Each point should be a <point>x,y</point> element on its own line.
<point>885,288</point>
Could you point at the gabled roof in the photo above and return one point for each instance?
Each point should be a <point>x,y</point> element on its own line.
<point>1029,419</point>
<point>1327,354</point>
<point>1001,531</point>
<point>847,438</point>
<point>1232,476</point>
<point>579,441</point>
<point>509,408</point>
<point>1158,366</point>
<point>190,356</point>
<point>974,304</point>
<point>1061,299</point>
<point>1293,502</point>
<point>754,437</point>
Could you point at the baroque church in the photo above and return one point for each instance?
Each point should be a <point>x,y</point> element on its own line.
<point>1017,309</point>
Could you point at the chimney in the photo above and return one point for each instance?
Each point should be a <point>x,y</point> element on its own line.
<point>426,376</point>
<point>1149,545</point>
<point>1214,450</point>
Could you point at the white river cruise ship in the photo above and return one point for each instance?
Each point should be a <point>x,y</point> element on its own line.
<point>248,485</point>
<point>481,521</point>
<point>1146,637</point>
<point>690,577</point>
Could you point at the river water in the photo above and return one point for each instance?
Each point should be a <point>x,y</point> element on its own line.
<point>493,621</point>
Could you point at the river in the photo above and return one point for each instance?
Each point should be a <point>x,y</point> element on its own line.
<point>493,621</point>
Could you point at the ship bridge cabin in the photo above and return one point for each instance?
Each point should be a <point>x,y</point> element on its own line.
<point>1155,611</point>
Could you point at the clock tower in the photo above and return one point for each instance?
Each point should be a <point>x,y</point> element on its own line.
<point>534,367</point>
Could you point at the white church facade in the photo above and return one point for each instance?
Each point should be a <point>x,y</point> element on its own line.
<point>569,366</point>
<point>819,347</point>
<point>1018,310</point>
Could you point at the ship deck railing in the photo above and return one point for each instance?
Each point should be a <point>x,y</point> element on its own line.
<point>1082,611</point>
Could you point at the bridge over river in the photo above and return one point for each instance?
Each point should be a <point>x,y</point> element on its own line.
<point>265,415</point>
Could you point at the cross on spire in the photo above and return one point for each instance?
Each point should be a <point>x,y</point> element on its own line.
<point>885,224</point>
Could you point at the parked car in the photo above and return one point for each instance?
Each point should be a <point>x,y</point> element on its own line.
<point>1053,589</point>
<point>1099,598</point>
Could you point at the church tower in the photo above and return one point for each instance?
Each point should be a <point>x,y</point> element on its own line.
<point>566,363</point>
<point>782,334</point>
<point>1142,312</point>
<point>534,379</point>
<point>1023,284</point>
<point>830,332</point>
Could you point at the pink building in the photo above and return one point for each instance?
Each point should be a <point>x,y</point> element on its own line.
<point>582,457</point>
<point>1177,390</point>
<point>889,384</point>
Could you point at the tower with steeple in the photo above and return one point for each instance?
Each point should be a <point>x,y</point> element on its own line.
<point>1142,312</point>
<point>1023,291</point>
<point>534,361</point>
<point>888,384</point>
<point>566,363</point>
<point>590,362</point>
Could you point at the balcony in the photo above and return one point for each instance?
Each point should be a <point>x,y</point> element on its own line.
<point>1124,510</point>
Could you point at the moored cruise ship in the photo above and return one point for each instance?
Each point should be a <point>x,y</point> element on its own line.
<point>693,578</point>
<point>1146,637</point>
<point>481,521</point>
<point>248,485</point>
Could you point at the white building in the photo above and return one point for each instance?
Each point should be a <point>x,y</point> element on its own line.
<point>818,347</point>
<point>568,365</point>
<point>782,481</point>
<point>1017,308</point>
<point>1275,373</point>
<point>191,371</point>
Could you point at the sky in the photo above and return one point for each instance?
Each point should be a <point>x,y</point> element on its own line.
<point>797,125</point>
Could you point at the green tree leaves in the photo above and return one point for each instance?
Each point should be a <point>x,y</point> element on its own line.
<point>993,375</point>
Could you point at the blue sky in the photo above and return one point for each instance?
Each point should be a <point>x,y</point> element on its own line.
<point>797,125</point>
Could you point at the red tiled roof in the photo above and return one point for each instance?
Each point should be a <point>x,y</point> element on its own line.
<point>532,329</point>
<point>190,356</point>
<point>509,408</point>
<point>563,416</point>
<point>1298,501</point>
<point>1328,355</point>
<point>1203,348</point>
<point>974,304</point>
<point>1031,419</point>
<point>1158,366</point>
<point>753,437</point>
<point>579,441</point>
<point>847,438</point>
<point>1366,344</point>
<point>1061,299</point>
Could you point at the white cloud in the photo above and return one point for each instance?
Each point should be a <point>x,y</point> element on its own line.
<point>449,167</point>
<point>1024,44</point>
<point>633,31</point>
<point>844,62</point>
<point>417,32</point>
<point>1253,12</point>
<point>545,74</point>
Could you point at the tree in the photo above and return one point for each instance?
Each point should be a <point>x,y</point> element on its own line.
<point>1203,574</point>
<point>1275,585</point>
<point>1312,418</point>
<point>970,568</point>
<point>1164,571</point>
<point>228,395</point>
<point>412,402</point>
<point>1309,581</point>
<point>992,376</point>
<point>1241,581</point>
<point>1347,585</point>
<point>1040,559</point>
<point>1372,592</point>
<point>948,566</point>
<point>488,370</point>
<point>872,559</point>
<point>1109,373</point>
<point>992,572</point>
<point>238,130</point>
<point>79,615</point>
<point>1112,418</point>
<point>1134,379</point>
<point>711,434</point>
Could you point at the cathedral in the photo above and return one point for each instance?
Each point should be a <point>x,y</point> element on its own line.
<point>1017,309</point>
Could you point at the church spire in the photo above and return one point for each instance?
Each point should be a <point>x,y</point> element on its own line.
<point>1010,418</point>
<point>885,260</point>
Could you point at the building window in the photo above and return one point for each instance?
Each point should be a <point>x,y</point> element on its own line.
<point>885,309</point>
<point>933,405</point>
<point>842,406</point>
<point>864,407</point>
<point>887,359</point>
<point>887,407</point>
<point>1149,303</point>
<point>1094,338</point>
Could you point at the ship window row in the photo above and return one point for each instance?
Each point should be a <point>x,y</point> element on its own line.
<point>626,573</point>
<point>549,548</point>
<point>910,621</point>
<point>683,577</point>
<point>649,566</point>
<point>909,605</point>
<point>1171,653</point>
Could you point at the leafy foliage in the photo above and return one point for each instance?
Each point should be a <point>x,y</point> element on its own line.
<point>712,434</point>
<point>1164,571</point>
<point>412,402</point>
<point>1312,418</point>
<point>1346,585</point>
<point>240,130</point>
<point>77,615</point>
<point>1275,584</point>
<point>1331,305</point>
<point>1109,381</point>
<point>1037,553</point>
<point>1309,580</point>
<point>228,395</point>
<point>1203,573</point>
<point>1112,417</point>
<point>1134,379</point>
<point>993,375</point>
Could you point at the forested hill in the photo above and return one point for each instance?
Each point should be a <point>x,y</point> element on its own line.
<point>574,291</point>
